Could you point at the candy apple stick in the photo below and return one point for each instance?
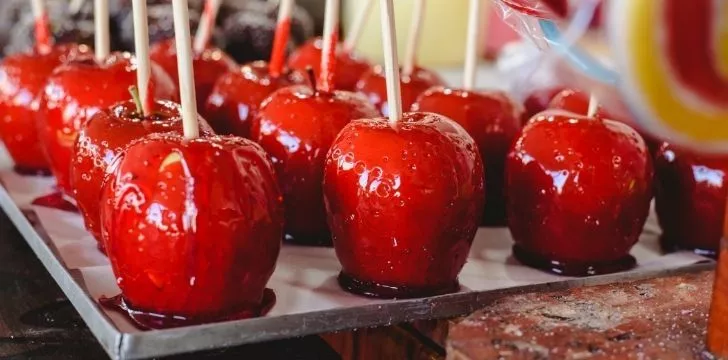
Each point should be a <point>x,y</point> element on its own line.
<point>413,42</point>
<point>352,38</point>
<point>42,29</point>
<point>283,30</point>
<point>593,105</point>
<point>472,47</point>
<point>328,53</point>
<point>141,45</point>
<point>391,63</point>
<point>102,43</point>
<point>184,65</point>
<point>207,23</point>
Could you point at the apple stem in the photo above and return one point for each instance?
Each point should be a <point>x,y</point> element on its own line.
<point>102,44</point>
<point>280,42</point>
<point>206,25</point>
<point>186,74</point>
<point>330,41</point>
<point>593,105</point>
<point>312,78</point>
<point>472,47</point>
<point>42,28</point>
<point>134,92</point>
<point>141,45</point>
<point>413,42</point>
<point>391,62</point>
<point>357,28</point>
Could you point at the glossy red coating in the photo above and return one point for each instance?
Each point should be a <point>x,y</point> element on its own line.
<point>22,76</point>
<point>236,96</point>
<point>296,126</point>
<point>75,92</point>
<point>374,86</point>
<point>493,120</point>
<point>192,228</point>
<point>578,193</point>
<point>349,66</point>
<point>404,203</point>
<point>539,100</point>
<point>104,137</point>
<point>208,66</point>
<point>690,199</point>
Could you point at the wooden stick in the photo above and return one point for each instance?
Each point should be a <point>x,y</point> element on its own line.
<point>184,65</point>
<point>473,44</point>
<point>353,36</point>
<point>206,25</point>
<point>102,42</point>
<point>593,105</point>
<point>280,42</point>
<point>75,6</point>
<point>42,28</point>
<point>328,53</point>
<point>141,45</point>
<point>391,63</point>
<point>413,42</point>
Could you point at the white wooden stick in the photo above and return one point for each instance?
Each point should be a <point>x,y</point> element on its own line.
<point>391,63</point>
<point>183,42</point>
<point>354,34</point>
<point>280,40</point>
<point>285,9</point>
<point>206,25</point>
<point>141,46</point>
<point>593,105</point>
<point>38,8</point>
<point>75,6</point>
<point>413,42</point>
<point>331,25</point>
<point>42,31</point>
<point>102,42</point>
<point>472,46</point>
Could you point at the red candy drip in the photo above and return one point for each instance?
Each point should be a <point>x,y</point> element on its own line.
<point>57,201</point>
<point>42,33</point>
<point>326,78</point>
<point>149,320</point>
<point>277,57</point>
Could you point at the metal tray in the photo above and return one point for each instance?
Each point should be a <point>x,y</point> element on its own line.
<point>312,303</point>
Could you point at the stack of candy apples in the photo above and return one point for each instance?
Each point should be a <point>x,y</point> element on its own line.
<point>316,146</point>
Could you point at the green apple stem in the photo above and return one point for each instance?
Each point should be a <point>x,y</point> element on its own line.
<point>134,92</point>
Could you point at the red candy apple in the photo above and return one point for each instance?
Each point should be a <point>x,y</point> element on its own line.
<point>493,120</point>
<point>690,195</point>
<point>578,193</point>
<point>538,101</point>
<point>22,76</point>
<point>208,65</point>
<point>350,67</point>
<point>193,228</point>
<point>374,86</point>
<point>236,96</point>
<point>296,126</point>
<point>104,137</point>
<point>403,202</point>
<point>75,92</point>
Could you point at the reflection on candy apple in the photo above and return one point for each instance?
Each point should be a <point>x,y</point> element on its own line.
<point>350,67</point>
<point>404,202</point>
<point>493,120</point>
<point>374,86</point>
<point>236,97</point>
<point>578,193</point>
<point>104,137</point>
<point>296,126</point>
<point>193,228</point>
<point>76,91</point>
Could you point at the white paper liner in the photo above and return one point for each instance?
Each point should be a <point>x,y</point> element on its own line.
<point>305,277</point>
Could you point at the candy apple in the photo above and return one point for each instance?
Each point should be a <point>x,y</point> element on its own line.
<point>208,65</point>
<point>350,67</point>
<point>374,86</point>
<point>77,90</point>
<point>104,137</point>
<point>539,100</point>
<point>192,228</point>
<point>493,120</point>
<point>403,203</point>
<point>236,97</point>
<point>578,193</point>
<point>296,126</point>
<point>690,196</point>
<point>22,76</point>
